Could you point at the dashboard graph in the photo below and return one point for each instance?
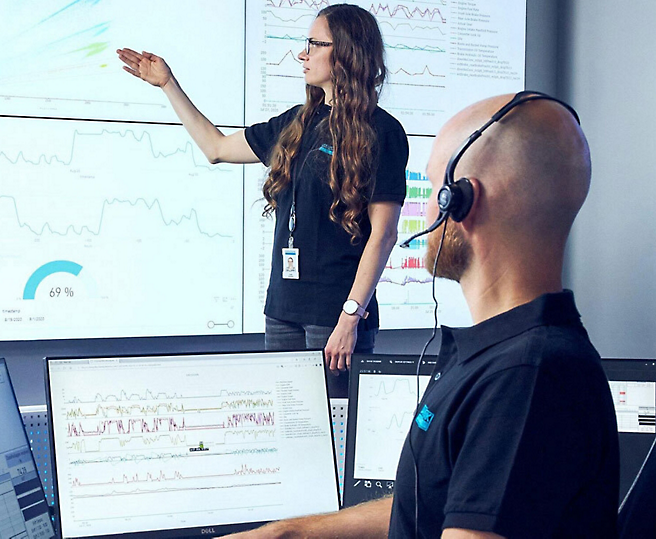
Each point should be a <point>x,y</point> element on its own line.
<point>386,406</point>
<point>102,224</point>
<point>192,441</point>
<point>58,58</point>
<point>434,49</point>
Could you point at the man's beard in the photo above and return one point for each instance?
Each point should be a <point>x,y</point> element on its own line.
<point>455,255</point>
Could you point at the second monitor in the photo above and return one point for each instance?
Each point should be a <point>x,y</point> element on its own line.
<point>383,395</point>
<point>170,446</point>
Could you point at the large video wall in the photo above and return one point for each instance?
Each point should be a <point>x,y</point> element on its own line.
<point>112,222</point>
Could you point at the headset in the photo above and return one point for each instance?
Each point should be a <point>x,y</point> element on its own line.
<point>455,198</point>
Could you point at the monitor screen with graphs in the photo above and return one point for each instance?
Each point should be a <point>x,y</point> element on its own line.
<point>633,387</point>
<point>382,402</point>
<point>171,446</point>
<point>113,222</point>
<point>23,509</point>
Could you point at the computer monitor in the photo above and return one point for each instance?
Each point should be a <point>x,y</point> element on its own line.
<point>633,386</point>
<point>382,397</point>
<point>189,445</point>
<point>23,508</point>
<point>382,402</point>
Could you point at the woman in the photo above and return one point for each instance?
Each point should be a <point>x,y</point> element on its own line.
<point>336,184</point>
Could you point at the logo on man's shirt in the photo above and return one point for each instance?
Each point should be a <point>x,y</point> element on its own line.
<point>325,148</point>
<point>424,418</point>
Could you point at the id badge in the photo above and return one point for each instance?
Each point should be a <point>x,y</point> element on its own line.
<point>290,263</point>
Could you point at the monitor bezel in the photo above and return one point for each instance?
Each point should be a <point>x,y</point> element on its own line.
<point>3,362</point>
<point>349,497</point>
<point>191,532</point>
<point>629,369</point>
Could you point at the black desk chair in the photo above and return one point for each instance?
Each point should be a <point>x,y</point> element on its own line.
<point>637,514</point>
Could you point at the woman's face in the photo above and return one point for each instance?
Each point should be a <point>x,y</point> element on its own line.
<point>317,66</point>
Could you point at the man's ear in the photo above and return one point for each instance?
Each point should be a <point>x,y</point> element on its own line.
<point>477,190</point>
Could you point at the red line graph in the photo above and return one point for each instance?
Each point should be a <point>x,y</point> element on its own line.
<point>243,470</point>
<point>411,262</point>
<point>153,395</point>
<point>401,10</point>
<point>164,441</point>
<point>314,4</point>
<point>170,424</point>
<point>167,408</point>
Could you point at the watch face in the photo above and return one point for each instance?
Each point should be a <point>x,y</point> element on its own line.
<point>350,306</point>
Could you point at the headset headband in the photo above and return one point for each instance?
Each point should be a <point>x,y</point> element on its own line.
<point>449,174</point>
<point>519,98</point>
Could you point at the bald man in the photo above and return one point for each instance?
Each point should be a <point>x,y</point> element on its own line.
<point>516,434</point>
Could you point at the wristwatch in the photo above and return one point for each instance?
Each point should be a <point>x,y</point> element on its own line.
<point>353,307</point>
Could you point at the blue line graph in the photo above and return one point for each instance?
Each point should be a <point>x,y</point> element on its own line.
<point>398,422</point>
<point>425,48</point>
<point>399,46</point>
<point>192,216</point>
<point>383,23</point>
<point>150,204</point>
<point>187,149</point>
<point>92,2</point>
<point>382,388</point>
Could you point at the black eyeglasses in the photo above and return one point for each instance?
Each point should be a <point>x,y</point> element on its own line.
<point>311,42</point>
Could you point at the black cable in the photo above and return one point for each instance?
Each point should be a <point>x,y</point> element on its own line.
<point>421,357</point>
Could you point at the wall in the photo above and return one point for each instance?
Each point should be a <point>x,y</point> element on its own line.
<point>607,72</point>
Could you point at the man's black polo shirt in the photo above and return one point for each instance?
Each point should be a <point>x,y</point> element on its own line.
<point>523,441</point>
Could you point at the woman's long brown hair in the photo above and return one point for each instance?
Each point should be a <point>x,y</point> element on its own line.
<point>358,74</point>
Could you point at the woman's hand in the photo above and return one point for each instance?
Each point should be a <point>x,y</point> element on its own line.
<point>146,66</point>
<point>341,343</point>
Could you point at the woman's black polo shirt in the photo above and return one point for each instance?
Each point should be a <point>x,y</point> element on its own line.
<point>328,260</point>
<point>516,433</point>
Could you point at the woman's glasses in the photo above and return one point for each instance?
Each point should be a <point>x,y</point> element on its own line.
<point>311,43</point>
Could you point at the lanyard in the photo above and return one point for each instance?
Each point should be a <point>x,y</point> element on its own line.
<point>292,221</point>
<point>292,211</point>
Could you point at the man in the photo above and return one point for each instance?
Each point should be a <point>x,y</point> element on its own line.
<point>516,433</point>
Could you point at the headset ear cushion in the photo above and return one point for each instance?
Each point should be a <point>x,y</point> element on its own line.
<point>463,199</point>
